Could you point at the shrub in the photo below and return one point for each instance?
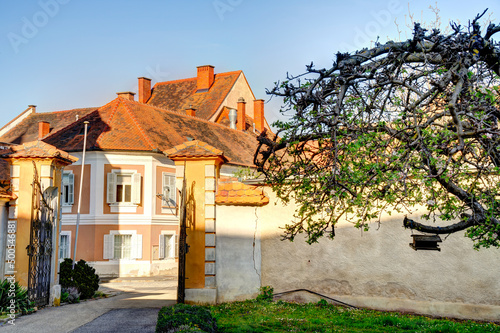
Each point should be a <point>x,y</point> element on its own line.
<point>17,293</point>
<point>83,277</point>
<point>266,294</point>
<point>70,295</point>
<point>185,318</point>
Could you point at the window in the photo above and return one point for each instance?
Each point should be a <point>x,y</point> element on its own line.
<point>67,188</point>
<point>122,245</point>
<point>124,187</point>
<point>169,246</point>
<point>169,190</point>
<point>64,245</point>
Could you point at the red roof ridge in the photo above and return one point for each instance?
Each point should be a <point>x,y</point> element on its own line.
<point>214,116</point>
<point>194,78</point>
<point>113,111</point>
<point>174,81</point>
<point>141,130</point>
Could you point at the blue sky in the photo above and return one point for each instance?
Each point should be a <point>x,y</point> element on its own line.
<point>63,54</point>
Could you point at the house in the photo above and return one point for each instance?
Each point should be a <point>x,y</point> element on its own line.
<point>129,202</point>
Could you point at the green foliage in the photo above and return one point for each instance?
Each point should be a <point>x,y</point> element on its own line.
<point>375,134</point>
<point>70,295</point>
<point>18,296</point>
<point>252,316</point>
<point>83,277</point>
<point>266,294</point>
<point>197,318</point>
<point>246,173</point>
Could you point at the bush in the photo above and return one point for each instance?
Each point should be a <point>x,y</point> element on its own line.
<point>70,295</point>
<point>185,318</point>
<point>266,294</point>
<point>17,293</point>
<point>83,277</point>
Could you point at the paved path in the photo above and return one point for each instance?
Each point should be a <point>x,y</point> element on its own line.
<point>133,309</point>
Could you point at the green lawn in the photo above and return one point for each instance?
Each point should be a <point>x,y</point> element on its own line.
<point>253,316</point>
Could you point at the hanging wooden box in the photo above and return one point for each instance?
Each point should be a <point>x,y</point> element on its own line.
<point>425,242</point>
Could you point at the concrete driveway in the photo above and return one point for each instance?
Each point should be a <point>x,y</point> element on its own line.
<point>133,309</point>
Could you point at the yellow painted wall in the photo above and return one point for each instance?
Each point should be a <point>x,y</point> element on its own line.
<point>195,258</point>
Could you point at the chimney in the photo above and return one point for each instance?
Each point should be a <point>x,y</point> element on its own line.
<point>127,95</point>
<point>191,112</point>
<point>144,89</point>
<point>240,123</point>
<point>258,114</point>
<point>205,78</point>
<point>43,129</point>
<point>232,118</point>
<point>33,108</point>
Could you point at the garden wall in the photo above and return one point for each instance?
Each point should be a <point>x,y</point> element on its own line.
<point>375,269</point>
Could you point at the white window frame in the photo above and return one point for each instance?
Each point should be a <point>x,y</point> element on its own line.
<point>109,245</point>
<point>123,207</point>
<point>68,254</point>
<point>67,205</point>
<point>169,191</point>
<point>174,245</point>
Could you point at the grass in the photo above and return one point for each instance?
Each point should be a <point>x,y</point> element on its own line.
<point>254,316</point>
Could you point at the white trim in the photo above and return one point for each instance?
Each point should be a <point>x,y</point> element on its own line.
<point>70,219</point>
<point>64,233</point>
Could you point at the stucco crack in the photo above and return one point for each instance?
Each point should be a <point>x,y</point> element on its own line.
<point>253,244</point>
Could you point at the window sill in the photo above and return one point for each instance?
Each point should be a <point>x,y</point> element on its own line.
<point>123,208</point>
<point>66,208</point>
<point>172,210</point>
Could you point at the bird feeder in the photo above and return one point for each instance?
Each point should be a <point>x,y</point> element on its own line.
<point>425,242</point>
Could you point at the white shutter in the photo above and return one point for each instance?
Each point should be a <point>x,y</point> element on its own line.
<point>176,245</point>
<point>171,246</point>
<point>136,188</point>
<point>111,195</point>
<point>162,247</point>
<point>165,189</point>
<point>108,246</point>
<point>71,187</point>
<point>136,246</point>
<point>173,194</point>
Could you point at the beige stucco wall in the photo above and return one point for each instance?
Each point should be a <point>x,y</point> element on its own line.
<point>238,253</point>
<point>378,269</point>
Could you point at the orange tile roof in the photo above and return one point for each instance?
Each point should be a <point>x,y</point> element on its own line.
<point>180,95</point>
<point>27,130</point>
<point>236,193</point>
<point>127,125</point>
<point>194,148</point>
<point>37,149</point>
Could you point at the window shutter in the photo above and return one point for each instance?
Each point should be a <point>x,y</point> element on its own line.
<point>136,246</point>
<point>173,191</point>
<point>136,188</point>
<point>71,187</point>
<point>165,189</point>
<point>162,247</point>
<point>108,247</point>
<point>111,195</point>
<point>176,245</point>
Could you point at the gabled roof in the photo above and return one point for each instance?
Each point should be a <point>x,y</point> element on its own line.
<point>179,95</point>
<point>127,125</point>
<point>27,129</point>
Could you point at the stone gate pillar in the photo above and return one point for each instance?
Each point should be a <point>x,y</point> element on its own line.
<point>200,164</point>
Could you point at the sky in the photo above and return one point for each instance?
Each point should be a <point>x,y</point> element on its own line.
<point>65,54</point>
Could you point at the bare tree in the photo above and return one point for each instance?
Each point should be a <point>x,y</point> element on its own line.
<point>388,128</point>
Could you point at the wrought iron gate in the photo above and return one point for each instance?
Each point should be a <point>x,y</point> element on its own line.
<point>181,285</point>
<point>40,247</point>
